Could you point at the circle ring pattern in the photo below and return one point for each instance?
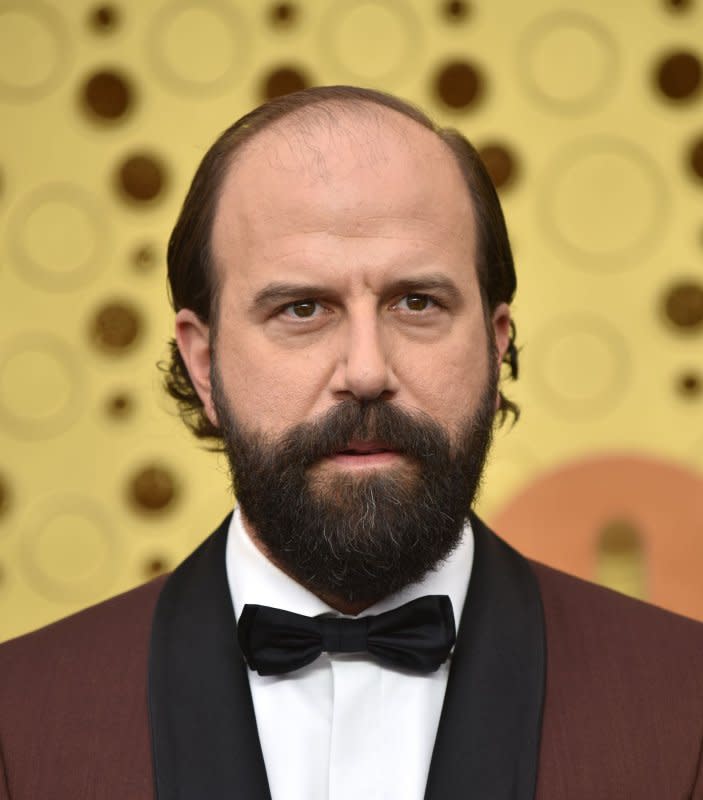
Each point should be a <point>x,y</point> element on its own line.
<point>35,272</point>
<point>605,399</point>
<point>332,21</point>
<point>231,22</point>
<point>51,21</point>
<point>54,587</point>
<point>621,257</point>
<point>23,427</point>
<point>602,86</point>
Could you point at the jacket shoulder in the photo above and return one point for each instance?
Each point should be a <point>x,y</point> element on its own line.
<point>73,702</point>
<point>603,613</point>
<point>106,626</point>
<point>624,691</point>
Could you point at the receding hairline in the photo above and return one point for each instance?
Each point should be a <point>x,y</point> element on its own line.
<point>365,115</point>
<point>331,112</point>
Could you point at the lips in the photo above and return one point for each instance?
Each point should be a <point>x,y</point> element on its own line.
<point>365,455</point>
<point>358,448</point>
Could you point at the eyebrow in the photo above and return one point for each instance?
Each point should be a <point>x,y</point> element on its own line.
<point>281,291</point>
<point>432,282</point>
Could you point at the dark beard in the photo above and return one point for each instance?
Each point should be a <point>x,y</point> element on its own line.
<point>358,537</point>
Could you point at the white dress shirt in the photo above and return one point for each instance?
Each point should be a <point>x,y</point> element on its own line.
<point>343,727</point>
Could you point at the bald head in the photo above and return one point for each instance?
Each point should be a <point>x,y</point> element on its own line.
<point>360,128</point>
<point>340,168</point>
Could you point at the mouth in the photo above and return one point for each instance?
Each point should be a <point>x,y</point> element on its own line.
<point>365,454</point>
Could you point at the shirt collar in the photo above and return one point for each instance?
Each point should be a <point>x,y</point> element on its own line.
<point>253,578</point>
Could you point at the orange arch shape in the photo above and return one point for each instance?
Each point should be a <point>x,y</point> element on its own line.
<point>559,517</point>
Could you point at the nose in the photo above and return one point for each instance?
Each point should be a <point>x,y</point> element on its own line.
<point>364,370</point>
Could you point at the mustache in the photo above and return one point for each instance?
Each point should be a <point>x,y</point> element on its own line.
<point>414,434</point>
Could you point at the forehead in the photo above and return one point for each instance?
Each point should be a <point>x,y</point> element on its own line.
<point>346,170</point>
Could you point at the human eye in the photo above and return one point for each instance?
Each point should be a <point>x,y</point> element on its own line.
<point>417,302</point>
<point>301,310</point>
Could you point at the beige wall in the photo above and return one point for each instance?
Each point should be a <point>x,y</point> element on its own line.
<point>591,117</point>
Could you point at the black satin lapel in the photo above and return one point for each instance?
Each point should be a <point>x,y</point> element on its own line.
<point>487,745</point>
<point>204,736</point>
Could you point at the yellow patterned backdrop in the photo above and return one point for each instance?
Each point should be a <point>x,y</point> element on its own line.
<point>588,114</point>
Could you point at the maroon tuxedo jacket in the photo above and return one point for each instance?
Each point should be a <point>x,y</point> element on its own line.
<point>558,690</point>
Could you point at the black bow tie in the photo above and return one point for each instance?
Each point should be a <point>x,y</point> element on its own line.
<point>416,636</point>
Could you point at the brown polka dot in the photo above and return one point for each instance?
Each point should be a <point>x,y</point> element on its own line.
<point>4,496</point>
<point>104,19</point>
<point>689,384</point>
<point>695,157</point>
<point>116,327</point>
<point>283,80</point>
<point>152,488</point>
<point>619,537</point>
<point>145,258</point>
<point>679,75</point>
<point>283,14</point>
<point>459,84</point>
<point>620,561</point>
<point>683,305</point>
<point>107,94</point>
<point>455,10</point>
<point>678,5</point>
<point>119,405</point>
<point>141,177</point>
<point>154,566</point>
<point>500,163</point>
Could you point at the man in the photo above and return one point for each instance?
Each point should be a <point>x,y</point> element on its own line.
<point>342,280</point>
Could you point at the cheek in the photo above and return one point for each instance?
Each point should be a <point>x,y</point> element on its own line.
<point>268,391</point>
<point>447,382</point>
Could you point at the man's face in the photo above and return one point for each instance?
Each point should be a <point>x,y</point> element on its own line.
<point>345,252</point>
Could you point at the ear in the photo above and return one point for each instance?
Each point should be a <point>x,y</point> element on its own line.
<point>500,320</point>
<point>193,339</point>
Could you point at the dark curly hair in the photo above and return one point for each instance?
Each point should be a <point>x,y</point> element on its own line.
<point>191,273</point>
